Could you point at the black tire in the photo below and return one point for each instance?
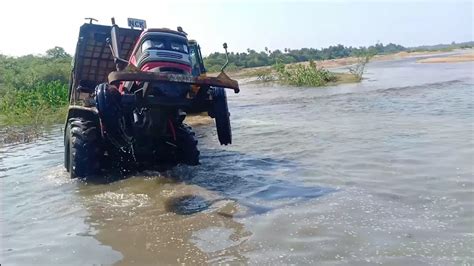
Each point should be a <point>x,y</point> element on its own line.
<point>220,111</point>
<point>67,137</point>
<point>83,150</point>
<point>186,141</point>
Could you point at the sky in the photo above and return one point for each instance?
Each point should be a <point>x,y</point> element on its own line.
<point>32,27</point>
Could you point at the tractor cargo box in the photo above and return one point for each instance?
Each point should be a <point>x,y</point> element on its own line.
<point>93,60</point>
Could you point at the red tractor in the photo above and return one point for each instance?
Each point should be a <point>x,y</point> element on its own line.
<point>129,113</point>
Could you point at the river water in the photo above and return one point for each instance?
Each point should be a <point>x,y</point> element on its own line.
<point>376,172</point>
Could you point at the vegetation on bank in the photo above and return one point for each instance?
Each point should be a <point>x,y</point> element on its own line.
<point>44,103</point>
<point>33,89</point>
<point>310,75</point>
<point>269,57</point>
<point>214,61</point>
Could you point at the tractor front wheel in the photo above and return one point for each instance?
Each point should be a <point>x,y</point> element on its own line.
<point>220,111</point>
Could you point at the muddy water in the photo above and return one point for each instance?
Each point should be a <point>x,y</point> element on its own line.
<point>376,172</point>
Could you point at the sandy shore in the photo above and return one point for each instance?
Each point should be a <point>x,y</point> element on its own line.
<point>341,62</point>
<point>467,57</point>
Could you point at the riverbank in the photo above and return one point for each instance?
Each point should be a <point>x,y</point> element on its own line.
<point>20,134</point>
<point>260,74</point>
<point>17,110</point>
<point>457,58</point>
<point>34,116</point>
<point>268,74</point>
<point>467,55</point>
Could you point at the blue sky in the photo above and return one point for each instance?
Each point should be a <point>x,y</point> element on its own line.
<point>244,24</point>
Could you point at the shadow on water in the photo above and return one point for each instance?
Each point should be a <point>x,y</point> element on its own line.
<point>260,184</point>
<point>191,213</point>
<point>250,181</point>
<point>187,204</point>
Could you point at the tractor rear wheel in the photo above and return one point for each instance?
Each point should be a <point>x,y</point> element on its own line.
<point>83,149</point>
<point>187,151</point>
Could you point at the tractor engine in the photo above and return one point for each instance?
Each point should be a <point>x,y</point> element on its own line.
<point>163,51</point>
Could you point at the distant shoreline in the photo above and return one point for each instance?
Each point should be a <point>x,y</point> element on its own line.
<point>249,75</point>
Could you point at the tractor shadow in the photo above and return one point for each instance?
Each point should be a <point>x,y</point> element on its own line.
<point>258,184</point>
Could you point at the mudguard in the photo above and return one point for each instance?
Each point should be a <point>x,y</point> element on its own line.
<point>108,102</point>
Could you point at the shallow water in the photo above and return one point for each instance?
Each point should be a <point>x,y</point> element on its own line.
<point>376,172</point>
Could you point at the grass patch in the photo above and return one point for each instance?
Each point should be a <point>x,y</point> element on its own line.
<point>35,116</point>
<point>43,103</point>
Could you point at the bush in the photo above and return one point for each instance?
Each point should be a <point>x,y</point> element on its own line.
<point>301,75</point>
<point>33,89</point>
<point>45,102</point>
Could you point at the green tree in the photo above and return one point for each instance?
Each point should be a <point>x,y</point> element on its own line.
<point>252,58</point>
<point>57,53</point>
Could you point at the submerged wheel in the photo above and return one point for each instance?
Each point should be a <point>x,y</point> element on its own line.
<point>220,111</point>
<point>187,151</point>
<point>83,150</point>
